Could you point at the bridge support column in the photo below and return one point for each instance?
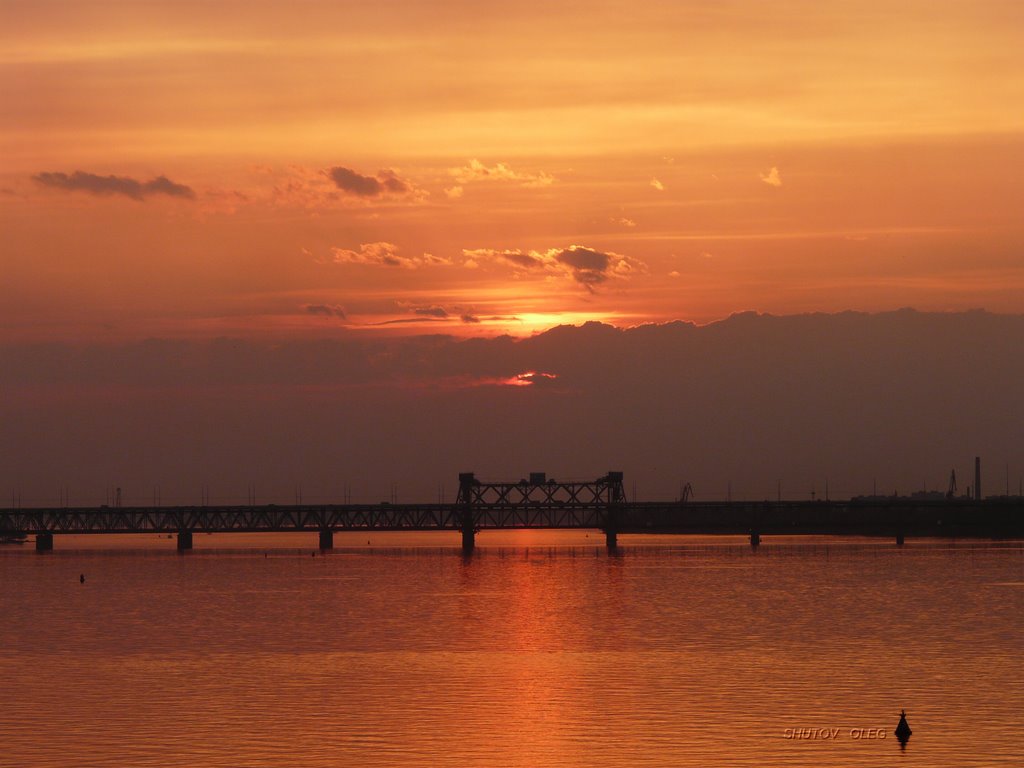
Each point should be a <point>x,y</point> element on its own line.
<point>755,524</point>
<point>468,538</point>
<point>326,539</point>
<point>899,538</point>
<point>184,541</point>
<point>468,484</point>
<point>611,537</point>
<point>44,542</point>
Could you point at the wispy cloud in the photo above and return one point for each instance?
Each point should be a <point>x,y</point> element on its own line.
<point>772,178</point>
<point>126,186</point>
<point>384,254</point>
<point>657,185</point>
<point>474,170</point>
<point>326,310</point>
<point>409,321</point>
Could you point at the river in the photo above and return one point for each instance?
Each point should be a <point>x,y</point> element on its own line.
<point>541,649</point>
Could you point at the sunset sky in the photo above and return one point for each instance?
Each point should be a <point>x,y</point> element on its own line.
<point>284,244</point>
<point>193,169</point>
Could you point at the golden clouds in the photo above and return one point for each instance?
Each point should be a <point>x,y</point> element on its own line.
<point>383,254</point>
<point>588,267</point>
<point>474,170</point>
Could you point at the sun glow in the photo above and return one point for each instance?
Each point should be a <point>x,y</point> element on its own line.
<point>530,378</point>
<point>529,323</point>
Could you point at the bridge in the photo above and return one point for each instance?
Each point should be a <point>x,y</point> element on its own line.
<point>539,502</point>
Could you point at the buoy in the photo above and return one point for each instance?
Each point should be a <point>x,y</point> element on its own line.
<point>81,578</point>
<point>902,729</point>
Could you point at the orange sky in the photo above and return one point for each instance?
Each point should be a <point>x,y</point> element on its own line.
<point>185,168</point>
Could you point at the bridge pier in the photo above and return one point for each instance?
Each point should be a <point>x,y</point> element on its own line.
<point>899,538</point>
<point>755,524</point>
<point>44,542</point>
<point>184,540</point>
<point>326,539</point>
<point>468,485</point>
<point>468,539</point>
<point>611,538</point>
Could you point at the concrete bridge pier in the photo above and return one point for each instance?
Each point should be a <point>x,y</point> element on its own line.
<point>326,539</point>
<point>184,541</point>
<point>755,524</point>
<point>468,488</point>
<point>44,542</point>
<point>611,538</point>
<point>899,538</point>
<point>468,538</point>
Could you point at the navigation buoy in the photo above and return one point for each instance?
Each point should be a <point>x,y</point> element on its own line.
<point>903,730</point>
<point>81,578</point>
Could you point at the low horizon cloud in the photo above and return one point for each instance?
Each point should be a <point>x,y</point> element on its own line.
<point>737,404</point>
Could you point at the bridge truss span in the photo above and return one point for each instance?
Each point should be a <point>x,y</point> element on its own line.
<point>536,502</point>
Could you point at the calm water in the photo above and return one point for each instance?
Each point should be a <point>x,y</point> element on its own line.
<point>541,650</point>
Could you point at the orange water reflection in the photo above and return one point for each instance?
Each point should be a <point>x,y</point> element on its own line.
<point>540,650</point>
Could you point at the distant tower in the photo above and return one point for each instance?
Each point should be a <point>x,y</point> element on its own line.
<point>977,478</point>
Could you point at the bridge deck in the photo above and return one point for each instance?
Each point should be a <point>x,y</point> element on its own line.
<point>1002,516</point>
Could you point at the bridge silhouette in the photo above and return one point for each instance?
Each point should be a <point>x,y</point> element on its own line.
<point>538,502</point>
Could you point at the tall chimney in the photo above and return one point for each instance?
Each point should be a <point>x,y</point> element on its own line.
<point>977,478</point>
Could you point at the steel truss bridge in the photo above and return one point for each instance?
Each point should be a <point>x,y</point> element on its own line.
<point>536,502</point>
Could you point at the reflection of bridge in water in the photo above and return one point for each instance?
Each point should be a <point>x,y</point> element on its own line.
<point>538,502</point>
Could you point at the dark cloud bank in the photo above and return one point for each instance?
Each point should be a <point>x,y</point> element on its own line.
<point>897,399</point>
